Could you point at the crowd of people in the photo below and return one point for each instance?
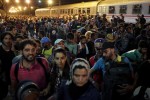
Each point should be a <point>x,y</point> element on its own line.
<point>74,59</point>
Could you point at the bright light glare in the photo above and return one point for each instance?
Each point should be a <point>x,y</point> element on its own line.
<point>7,1</point>
<point>13,10</point>
<point>20,8</point>
<point>31,7</point>
<point>24,8</point>
<point>17,1</point>
<point>50,1</point>
<point>40,1</point>
<point>27,1</point>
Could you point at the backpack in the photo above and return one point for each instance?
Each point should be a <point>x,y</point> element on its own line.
<point>141,93</point>
<point>39,60</point>
<point>117,73</point>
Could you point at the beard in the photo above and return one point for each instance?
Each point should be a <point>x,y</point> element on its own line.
<point>29,58</point>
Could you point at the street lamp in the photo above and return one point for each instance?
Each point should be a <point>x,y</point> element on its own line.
<point>39,1</point>
<point>7,1</point>
<point>17,1</point>
<point>49,2</point>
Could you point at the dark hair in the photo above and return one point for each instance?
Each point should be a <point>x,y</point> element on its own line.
<point>59,50</point>
<point>70,36</point>
<point>143,44</point>
<point>19,36</point>
<point>37,41</point>
<point>42,33</point>
<point>26,42</point>
<point>78,67</point>
<point>82,37</point>
<point>4,34</point>
<point>143,31</point>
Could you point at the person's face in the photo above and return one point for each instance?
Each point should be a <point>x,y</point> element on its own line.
<point>29,53</point>
<point>88,36</point>
<point>71,40</point>
<point>61,44</point>
<point>60,59</point>
<point>38,48</point>
<point>7,41</point>
<point>107,53</point>
<point>143,50</point>
<point>46,45</point>
<point>83,41</point>
<point>98,48</point>
<point>80,76</point>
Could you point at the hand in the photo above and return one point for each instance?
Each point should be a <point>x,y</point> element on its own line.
<point>44,92</point>
<point>124,89</point>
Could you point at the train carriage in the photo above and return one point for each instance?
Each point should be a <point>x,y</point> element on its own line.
<point>129,8</point>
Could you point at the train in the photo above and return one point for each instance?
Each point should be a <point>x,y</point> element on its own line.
<point>130,9</point>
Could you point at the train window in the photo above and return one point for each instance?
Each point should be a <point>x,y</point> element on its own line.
<point>104,10</point>
<point>137,9</point>
<point>111,9</point>
<point>65,11</point>
<point>62,11</point>
<point>83,10</point>
<point>123,9</point>
<point>88,10</point>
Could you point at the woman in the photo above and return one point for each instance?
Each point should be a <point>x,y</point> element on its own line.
<point>59,70</point>
<point>80,88</point>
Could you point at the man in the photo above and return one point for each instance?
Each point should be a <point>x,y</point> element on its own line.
<point>98,48</point>
<point>97,75</point>
<point>47,47</point>
<point>71,44</point>
<point>82,49</point>
<point>114,68</point>
<point>29,68</point>
<point>138,55</point>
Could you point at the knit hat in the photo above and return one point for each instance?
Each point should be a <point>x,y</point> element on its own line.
<point>45,40</point>
<point>107,45</point>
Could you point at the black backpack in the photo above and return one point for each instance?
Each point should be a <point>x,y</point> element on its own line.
<point>39,60</point>
<point>117,73</point>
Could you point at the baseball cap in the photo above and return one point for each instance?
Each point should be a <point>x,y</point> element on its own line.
<point>99,42</point>
<point>57,41</point>
<point>107,45</point>
<point>45,40</point>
